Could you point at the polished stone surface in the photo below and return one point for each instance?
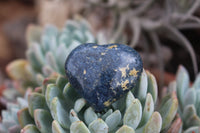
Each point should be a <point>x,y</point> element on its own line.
<point>103,73</point>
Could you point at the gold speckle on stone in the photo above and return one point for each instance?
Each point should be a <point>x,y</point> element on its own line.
<point>133,72</point>
<point>123,70</point>
<point>113,46</point>
<point>107,103</point>
<point>95,46</point>
<point>124,85</point>
<point>84,72</point>
<point>103,53</point>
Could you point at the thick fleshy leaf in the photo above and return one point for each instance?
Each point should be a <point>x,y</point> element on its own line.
<point>143,84</point>
<point>46,82</point>
<point>133,114</point>
<point>168,111</point>
<point>113,120</point>
<point>154,124</point>
<point>189,97</point>
<point>196,84</point>
<point>61,82</point>
<point>79,104</point>
<point>70,94</point>
<point>59,113</point>
<point>17,70</point>
<point>152,86</point>
<point>125,129</point>
<point>56,128</point>
<point>73,116</point>
<point>182,79</point>
<point>192,130</point>
<point>43,120</point>
<point>24,117</point>
<point>190,117</point>
<point>30,129</point>
<point>148,110</point>
<point>36,101</point>
<point>98,126</point>
<point>129,99</point>
<point>51,92</point>
<point>78,127</point>
<point>90,115</point>
<point>197,102</point>
<point>176,126</point>
<point>109,112</point>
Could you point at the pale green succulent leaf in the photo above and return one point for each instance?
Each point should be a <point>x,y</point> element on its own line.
<point>36,65</point>
<point>59,113</point>
<point>61,82</point>
<point>51,61</point>
<point>36,101</point>
<point>78,127</point>
<point>154,124</point>
<point>189,97</point>
<point>129,99</point>
<point>46,82</point>
<point>168,111</point>
<point>73,116</point>
<point>196,84</point>
<point>30,129</point>
<point>109,112</point>
<point>43,120</point>
<point>143,84</point>
<point>79,104</point>
<point>190,117</point>
<point>89,115</point>
<point>197,102</point>
<point>62,57</point>
<point>192,130</point>
<point>56,128</point>
<point>152,86</point>
<point>24,117</point>
<point>182,79</point>
<point>70,94</point>
<point>148,110</point>
<point>125,129</point>
<point>51,92</point>
<point>133,114</point>
<point>113,120</point>
<point>98,126</point>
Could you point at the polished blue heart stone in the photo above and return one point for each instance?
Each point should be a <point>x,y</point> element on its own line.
<point>103,73</point>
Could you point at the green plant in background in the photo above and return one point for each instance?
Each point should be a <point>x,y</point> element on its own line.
<point>189,100</point>
<point>59,109</point>
<point>9,122</point>
<point>47,51</point>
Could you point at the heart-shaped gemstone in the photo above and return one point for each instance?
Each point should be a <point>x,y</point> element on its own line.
<point>103,73</point>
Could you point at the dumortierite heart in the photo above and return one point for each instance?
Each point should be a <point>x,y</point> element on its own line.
<point>103,73</point>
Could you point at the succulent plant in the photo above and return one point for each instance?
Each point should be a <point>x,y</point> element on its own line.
<point>47,51</point>
<point>188,98</point>
<point>59,109</point>
<point>9,122</point>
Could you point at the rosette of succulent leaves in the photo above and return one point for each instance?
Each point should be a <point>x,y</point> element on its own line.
<point>145,22</point>
<point>47,51</point>
<point>189,101</point>
<point>57,108</point>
